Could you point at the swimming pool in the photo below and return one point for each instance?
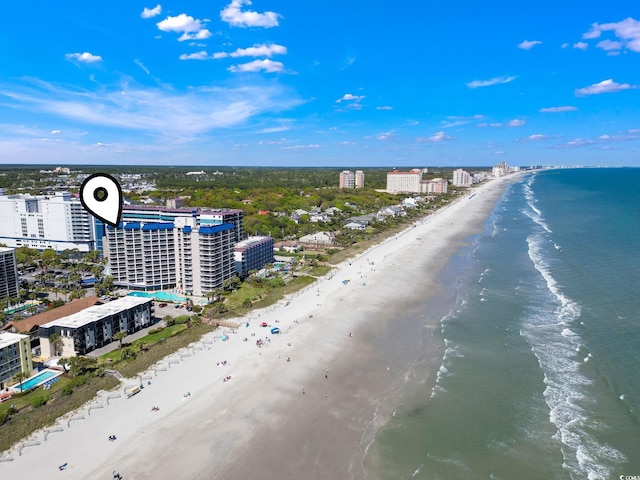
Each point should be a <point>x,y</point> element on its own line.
<point>163,296</point>
<point>38,379</point>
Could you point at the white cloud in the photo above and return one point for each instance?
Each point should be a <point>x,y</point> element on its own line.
<point>492,81</point>
<point>564,108</point>
<point>516,122</point>
<point>386,136</point>
<point>141,65</point>
<point>258,50</point>
<point>201,34</point>
<point>350,97</point>
<point>55,132</point>
<point>234,16</point>
<point>606,86</point>
<point>195,56</point>
<point>536,137</point>
<point>384,107</point>
<point>85,57</point>
<point>267,65</point>
<point>528,45</point>
<point>182,23</point>
<point>299,147</point>
<point>151,12</point>
<point>436,137</point>
<point>162,111</point>
<point>581,45</point>
<point>609,45</point>
<point>564,45</point>
<point>627,31</point>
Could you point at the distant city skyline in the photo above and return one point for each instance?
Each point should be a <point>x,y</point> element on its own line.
<point>320,84</point>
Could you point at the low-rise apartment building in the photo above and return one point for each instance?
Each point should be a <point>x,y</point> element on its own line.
<point>94,327</point>
<point>15,357</point>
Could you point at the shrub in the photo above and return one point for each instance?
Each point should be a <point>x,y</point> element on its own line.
<point>67,390</point>
<point>181,319</point>
<point>246,303</point>
<point>3,417</point>
<point>155,330</point>
<point>77,381</point>
<point>39,400</point>
<point>275,282</point>
<point>170,322</point>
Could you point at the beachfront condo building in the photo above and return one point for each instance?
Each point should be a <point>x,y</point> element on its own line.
<point>94,327</point>
<point>500,170</point>
<point>253,254</point>
<point>436,186</point>
<point>55,221</point>
<point>8,273</point>
<point>348,179</point>
<point>160,248</point>
<point>15,357</point>
<point>462,178</point>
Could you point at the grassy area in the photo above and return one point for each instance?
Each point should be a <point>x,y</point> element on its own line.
<point>23,401</point>
<point>320,270</point>
<point>23,424</point>
<point>145,359</point>
<point>246,290</point>
<point>147,340</point>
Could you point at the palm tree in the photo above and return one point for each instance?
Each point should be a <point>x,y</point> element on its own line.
<point>54,341</point>
<point>120,336</point>
<point>20,377</point>
<point>63,362</point>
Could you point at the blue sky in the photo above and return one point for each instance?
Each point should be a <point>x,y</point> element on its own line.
<point>320,83</point>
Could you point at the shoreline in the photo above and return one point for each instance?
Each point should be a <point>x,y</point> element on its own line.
<point>259,424</point>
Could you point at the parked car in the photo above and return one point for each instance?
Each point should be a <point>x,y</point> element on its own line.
<point>162,305</point>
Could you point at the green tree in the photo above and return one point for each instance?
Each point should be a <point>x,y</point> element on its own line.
<point>55,341</point>
<point>64,363</point>
<point>80,366</point>
<point>120,336</point>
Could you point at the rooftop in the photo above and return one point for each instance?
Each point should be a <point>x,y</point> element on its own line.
<point>97,312</point>
<point>7,339</point>
<point>75,306</point>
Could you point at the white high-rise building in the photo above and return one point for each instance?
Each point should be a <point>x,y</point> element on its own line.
<point>56,221</point>
<point>158,248</point>
<point>359,179</point>
<point>8,273</point>
<point>461,178</point>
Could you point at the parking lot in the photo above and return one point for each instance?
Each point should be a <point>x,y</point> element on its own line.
<point>169,309</point>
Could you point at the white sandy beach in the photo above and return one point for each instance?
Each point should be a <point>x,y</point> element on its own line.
<point>260,424</point>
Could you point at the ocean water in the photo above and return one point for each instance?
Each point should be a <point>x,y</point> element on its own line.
<point>540,375</point>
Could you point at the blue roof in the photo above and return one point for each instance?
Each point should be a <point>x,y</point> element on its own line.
<point>120,225</point>
<point>158,226</point>
<point>216,229</point>
<point>186,229</point>
<point>132,226</point>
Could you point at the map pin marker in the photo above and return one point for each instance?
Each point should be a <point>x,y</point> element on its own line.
<point>101,196</point>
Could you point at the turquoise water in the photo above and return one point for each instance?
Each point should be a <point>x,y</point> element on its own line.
<point>541,344</point>
<point>38,379</point>
<point>162,296</point>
